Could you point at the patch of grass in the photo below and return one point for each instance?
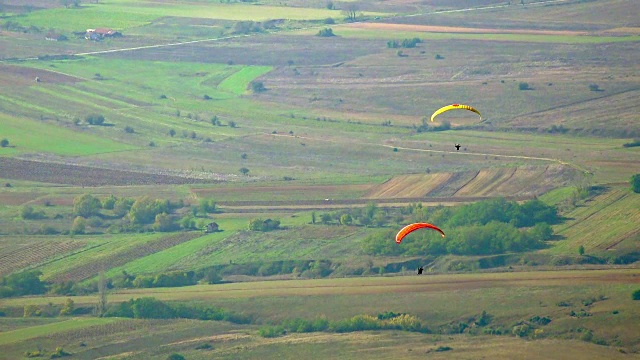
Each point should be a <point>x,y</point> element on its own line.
<point>33,136</point>
<point>31,332</point>
<point>239,81</point>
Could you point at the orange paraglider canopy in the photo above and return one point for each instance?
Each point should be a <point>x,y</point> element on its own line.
<point>412,227</point>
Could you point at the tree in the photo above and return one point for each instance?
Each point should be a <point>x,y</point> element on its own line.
<point>351,11</point>
<point>524,86</point>
<point>257,87</point>
<point>172,132</point>
<point>635,183</point>
<point>68,307</point>
<point>129,130</point>
<point>86,206</point>
<point>94,119</point>
<point>635,295</point>
<point>326,32</point>
<point>581,250</point>
<point>31,310</point>
<point>244,171</point>
<point>28,213</point>
<point>212,277</point>
<point>346,219</point>
<point>163,222</point>
<point>101,306</point>
<point>594,87</point>
<point>79,225</point>
<point>232,124</point>
<point>4,143</point>
<point>145,209</point>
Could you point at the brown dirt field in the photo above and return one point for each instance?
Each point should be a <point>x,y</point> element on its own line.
<point>466,30</point>
<point>83,175</point>
<point>11,75</point>
<point>407,186</point>
<point>485,181</point>
<point>17,198</point>
<point>32,254</point>
<point>86,271</point>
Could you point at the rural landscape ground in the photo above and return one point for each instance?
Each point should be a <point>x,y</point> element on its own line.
<point>224,179</point>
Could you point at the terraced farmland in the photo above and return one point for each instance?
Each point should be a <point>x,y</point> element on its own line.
<point>113,259</point>
<point>509,181</point>
<point>405,186</point>
<point>34,253</point>
<point>607,222</point>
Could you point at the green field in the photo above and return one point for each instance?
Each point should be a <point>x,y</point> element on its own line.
<point>342,124</point>
<point>28,136</point>
<point>50,329</point>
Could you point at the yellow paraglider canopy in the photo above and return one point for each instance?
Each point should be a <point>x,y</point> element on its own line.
<point>455,107</point>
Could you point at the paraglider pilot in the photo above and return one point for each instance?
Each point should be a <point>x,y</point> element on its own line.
<point>420,270</point>
<point>457,147</point>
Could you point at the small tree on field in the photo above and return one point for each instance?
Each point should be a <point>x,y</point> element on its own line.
<point>594,87</point>
<point>79,225</point>
<point>524,86</point>
<point>581,250</point>
<point>351,12</point>
<point>257,87</point>
<point>326,32</point>
<point>244,171</point>
<point>635,183</point>
<point>94,119</point>
<point>68,307</point>
<point>172,132</point>
<point>635,295</point>
<point>4,143</point>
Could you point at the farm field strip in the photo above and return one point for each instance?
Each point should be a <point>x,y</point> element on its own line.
<point>407,186</point>
<point>366,285</point>
<point>612,220</point>
<point>34,254</point>
<point>51,329</point>
<point>350,32</point>
<point>238,82</point>
<point>94,263</point>
<point>485,181</point>
<point>181,253</point>
<point>31,135</point>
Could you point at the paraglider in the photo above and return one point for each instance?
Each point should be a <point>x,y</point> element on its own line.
<point>454,107</point>
<point>412,227</point>
<point>457,147</point>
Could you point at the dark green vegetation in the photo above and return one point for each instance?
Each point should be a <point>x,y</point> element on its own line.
<point>159,173</point>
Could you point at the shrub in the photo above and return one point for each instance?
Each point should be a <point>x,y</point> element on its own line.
<point>4,143</point>
<point>129,130</point>
<point>175,356</point>
<point>95,119</point>
<point>635,183</point>
<point>271,331</point>
<point>635,295</point>
<point>326,32</point>
<point>524,86</point>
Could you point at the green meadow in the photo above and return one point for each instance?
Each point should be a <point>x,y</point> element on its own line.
<point>30,136</point>
<point>31,332</point>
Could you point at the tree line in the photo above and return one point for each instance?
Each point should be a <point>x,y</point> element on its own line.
<point>486,227</point>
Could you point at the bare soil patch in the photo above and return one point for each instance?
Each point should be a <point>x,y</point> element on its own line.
<point>84,175</point>
<point>455,29</point>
